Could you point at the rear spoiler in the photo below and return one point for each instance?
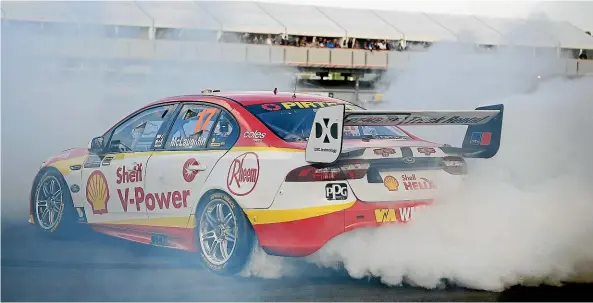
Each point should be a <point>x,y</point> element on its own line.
<point>482,138</point>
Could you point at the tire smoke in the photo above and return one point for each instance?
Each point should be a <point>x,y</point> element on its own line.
<point>52,101</point>
<point>524,216</point>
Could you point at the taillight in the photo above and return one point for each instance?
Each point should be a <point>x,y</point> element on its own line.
<point>344,171</point>
<point>454,165</point>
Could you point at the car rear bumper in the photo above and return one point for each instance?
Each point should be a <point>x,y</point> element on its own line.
<point>302,237</point>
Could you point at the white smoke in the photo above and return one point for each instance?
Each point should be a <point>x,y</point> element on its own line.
<point>523,217</point>
<point>52,101</point>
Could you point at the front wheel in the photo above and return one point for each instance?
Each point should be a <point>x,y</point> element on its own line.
<point>224,234</point>
<point>52,205</point>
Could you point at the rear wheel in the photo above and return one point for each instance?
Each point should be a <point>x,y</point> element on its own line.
<point>224,234</point>
<point>52,205</point>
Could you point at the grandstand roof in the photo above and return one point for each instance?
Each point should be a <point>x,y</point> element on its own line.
<point>273,18</point>
<point>179,14</point>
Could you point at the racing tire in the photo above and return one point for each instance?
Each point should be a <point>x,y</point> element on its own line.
<point>219,221</point>
<point>53,210</point>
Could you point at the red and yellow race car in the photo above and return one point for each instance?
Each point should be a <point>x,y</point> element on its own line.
<point>213,173</point>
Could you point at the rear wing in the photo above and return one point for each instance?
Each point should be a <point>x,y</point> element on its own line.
<point>482,138</point>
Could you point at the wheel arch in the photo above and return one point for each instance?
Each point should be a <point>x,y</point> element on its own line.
<point>204,197</point>
<point>205,194</point>
<point>35,182</point>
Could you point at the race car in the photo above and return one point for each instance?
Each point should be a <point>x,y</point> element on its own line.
<point>218,173</point>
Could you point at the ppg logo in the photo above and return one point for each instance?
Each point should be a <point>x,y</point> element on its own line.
<point>336,191</point>
<point>322,130</point>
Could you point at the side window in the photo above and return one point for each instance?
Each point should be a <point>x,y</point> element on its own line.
<point>138,133</point>
<point>226,132</point>
<point>192,127</point>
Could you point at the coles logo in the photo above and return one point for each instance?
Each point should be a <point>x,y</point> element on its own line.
<point>243,174</point>
<point>190,169</point>
<point>256,136</point>
<point>97,192</point>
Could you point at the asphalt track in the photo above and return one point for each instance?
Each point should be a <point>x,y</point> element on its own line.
<point>99,268</point>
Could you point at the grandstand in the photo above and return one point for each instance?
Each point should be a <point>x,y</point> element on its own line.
<point>362,43</point>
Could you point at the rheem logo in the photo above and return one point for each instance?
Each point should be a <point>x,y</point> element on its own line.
<point>243,174</point>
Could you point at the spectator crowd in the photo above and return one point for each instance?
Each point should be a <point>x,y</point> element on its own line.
<point>321,42</point>
<point>349,43</point>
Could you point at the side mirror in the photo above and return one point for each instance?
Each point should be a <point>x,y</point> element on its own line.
<point>96,145</point>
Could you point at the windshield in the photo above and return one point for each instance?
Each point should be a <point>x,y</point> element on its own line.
<point>292,121</point>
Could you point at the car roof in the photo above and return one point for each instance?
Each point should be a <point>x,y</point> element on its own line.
<point>247,98</point>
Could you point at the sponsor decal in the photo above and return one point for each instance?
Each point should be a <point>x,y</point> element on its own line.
<point>391,183</point>
<point>92,161</point>
<point>325,150</point>
<point>385,152</point>
<point>400,215</point>
<point>243,174</point>
<point>129,176</point>
<point>326,131</point>
<point>190,169</point>
<point>479,138</point>
<point>407,118</point>
<point>163,200</point>
<point>136,195</point>
<point>187,142</point>
<point>336,191</point>
<point>427,151</point>
<point>409,160</point>
<point>256,136</point>
<point>411,183</point>
<point>351,131</point>
<point>97,192</point>
<point>355,119</point>
<point>158,141</point>
<point>74,188</point>
<point>107,161</point>
<point>271,107</point>
<point>300,105</point>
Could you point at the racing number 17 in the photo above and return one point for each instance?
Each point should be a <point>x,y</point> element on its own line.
<point>204,118</point>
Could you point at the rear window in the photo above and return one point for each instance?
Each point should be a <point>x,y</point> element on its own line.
<point>292,121</point>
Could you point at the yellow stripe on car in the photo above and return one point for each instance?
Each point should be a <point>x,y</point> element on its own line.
<point>268,216</point>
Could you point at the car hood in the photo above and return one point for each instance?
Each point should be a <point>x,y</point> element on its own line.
<point>67,154</point>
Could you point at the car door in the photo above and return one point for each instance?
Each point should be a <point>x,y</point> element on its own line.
<point>113,179</point>
<point>176,173</point>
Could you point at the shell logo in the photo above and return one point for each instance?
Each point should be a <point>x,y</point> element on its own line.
<point>97,192</point>
<point>391,183</point>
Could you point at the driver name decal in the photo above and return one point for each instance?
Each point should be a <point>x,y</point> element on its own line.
<point>188,142</point>
<point>243,174</point>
